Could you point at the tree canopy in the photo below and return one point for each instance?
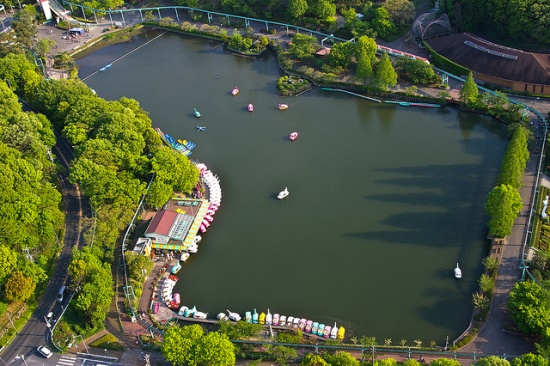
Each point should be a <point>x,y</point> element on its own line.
<point>529,307</point>
<point>190,345</point>
<point>503,205</point>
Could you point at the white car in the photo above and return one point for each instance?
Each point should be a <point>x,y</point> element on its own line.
<point>45,351</point>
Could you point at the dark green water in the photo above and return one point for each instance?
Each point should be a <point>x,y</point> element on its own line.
<point>384,200</point>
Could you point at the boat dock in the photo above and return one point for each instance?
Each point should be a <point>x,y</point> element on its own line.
<point>351,93</point>
<point>413,104</point>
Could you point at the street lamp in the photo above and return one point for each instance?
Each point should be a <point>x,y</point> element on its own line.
<point>82,339</point>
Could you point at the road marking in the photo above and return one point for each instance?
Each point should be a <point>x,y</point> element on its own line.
<point>66,361</point>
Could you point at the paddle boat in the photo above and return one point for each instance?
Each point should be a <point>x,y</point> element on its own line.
<point>458,272</point>
<point>282,106</point>
<point>194,248</point>
<point>197,239</point>
<point>293,136</point>
<point>196,113</point>
<point>250,107</point>
<point>314,328</point>
<point>200,315</point>
<point>282,320</point>
<point>268,318</point>
<point>255,317</point>
<point>248,317</point>
<point>309,326</point>
<point>173,278</point>
<point>177,298</point>
<point>334,331</point>
<point>341,333</point>
<point>302,324</point>
<point>290,321</point>
<point>326,333</point>
<point>261,320</point>
<point>183,309</point>
<point>175,269</point>
<point>190,312</point>
<point>283,194</point>
<point>222,317</point>
<point>321,330</point>
<point>184,256</point>
<point>234,316</point>
<point>201,128</point>
<point>156,307</point>
<point>235,91</point>
<point>276,319</point>
<point>296,323</point>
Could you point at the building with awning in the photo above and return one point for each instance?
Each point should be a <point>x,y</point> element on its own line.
<point>176,225</point>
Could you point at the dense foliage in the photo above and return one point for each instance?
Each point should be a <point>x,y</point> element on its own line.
<point>30,215</point>
<point>190,345</point>
<point>504,201</point>
<point>515,20</point>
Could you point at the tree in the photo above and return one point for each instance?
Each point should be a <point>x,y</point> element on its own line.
<point>314,360</point>
<point>215,349</point>
<point>180,344</point>
<point>445,362</point>
<point>24,27</point>
<point>8,262</point>
<point>341,358</point>
<point>284,354</point>
<point>469,92</point>
<point>18,287</point>
<point>401,12</point>
<point>415,71</point>
<point>385,74</point>
<point>411,362</point>
<point>44,46</point>
<point>503,205</point>
<point>514,160</point>
<point>297,8</point>
<point>492,361</point>
<point>323,9</point>
<point>303,47</point>
<point>529,307</point>
<point>340,54</point>
<point>95,296</point>
<point>530,359</point>
<point>139,265</point>
<point>387,362</point>
<point>382,23</point>
<point>236,40</point>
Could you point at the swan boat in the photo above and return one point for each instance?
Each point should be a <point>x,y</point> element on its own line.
<point>283,194</point>
<point>458,272</point>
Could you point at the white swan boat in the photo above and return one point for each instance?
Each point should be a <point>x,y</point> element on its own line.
<point>283,194</point>
<point>234,316</point>
<point>458,272</point>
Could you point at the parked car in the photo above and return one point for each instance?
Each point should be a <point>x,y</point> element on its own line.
<point>44,351</point>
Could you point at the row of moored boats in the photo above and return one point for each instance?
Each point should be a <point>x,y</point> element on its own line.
<point>182,146</point>
<point>212,183</point>
<point>308,326</point>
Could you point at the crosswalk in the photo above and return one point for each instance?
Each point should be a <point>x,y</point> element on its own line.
<point>66,361</point>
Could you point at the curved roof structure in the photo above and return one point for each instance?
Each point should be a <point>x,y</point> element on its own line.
<point>484,57</point>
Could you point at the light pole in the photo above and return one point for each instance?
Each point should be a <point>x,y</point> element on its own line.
<point>84,343</point>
